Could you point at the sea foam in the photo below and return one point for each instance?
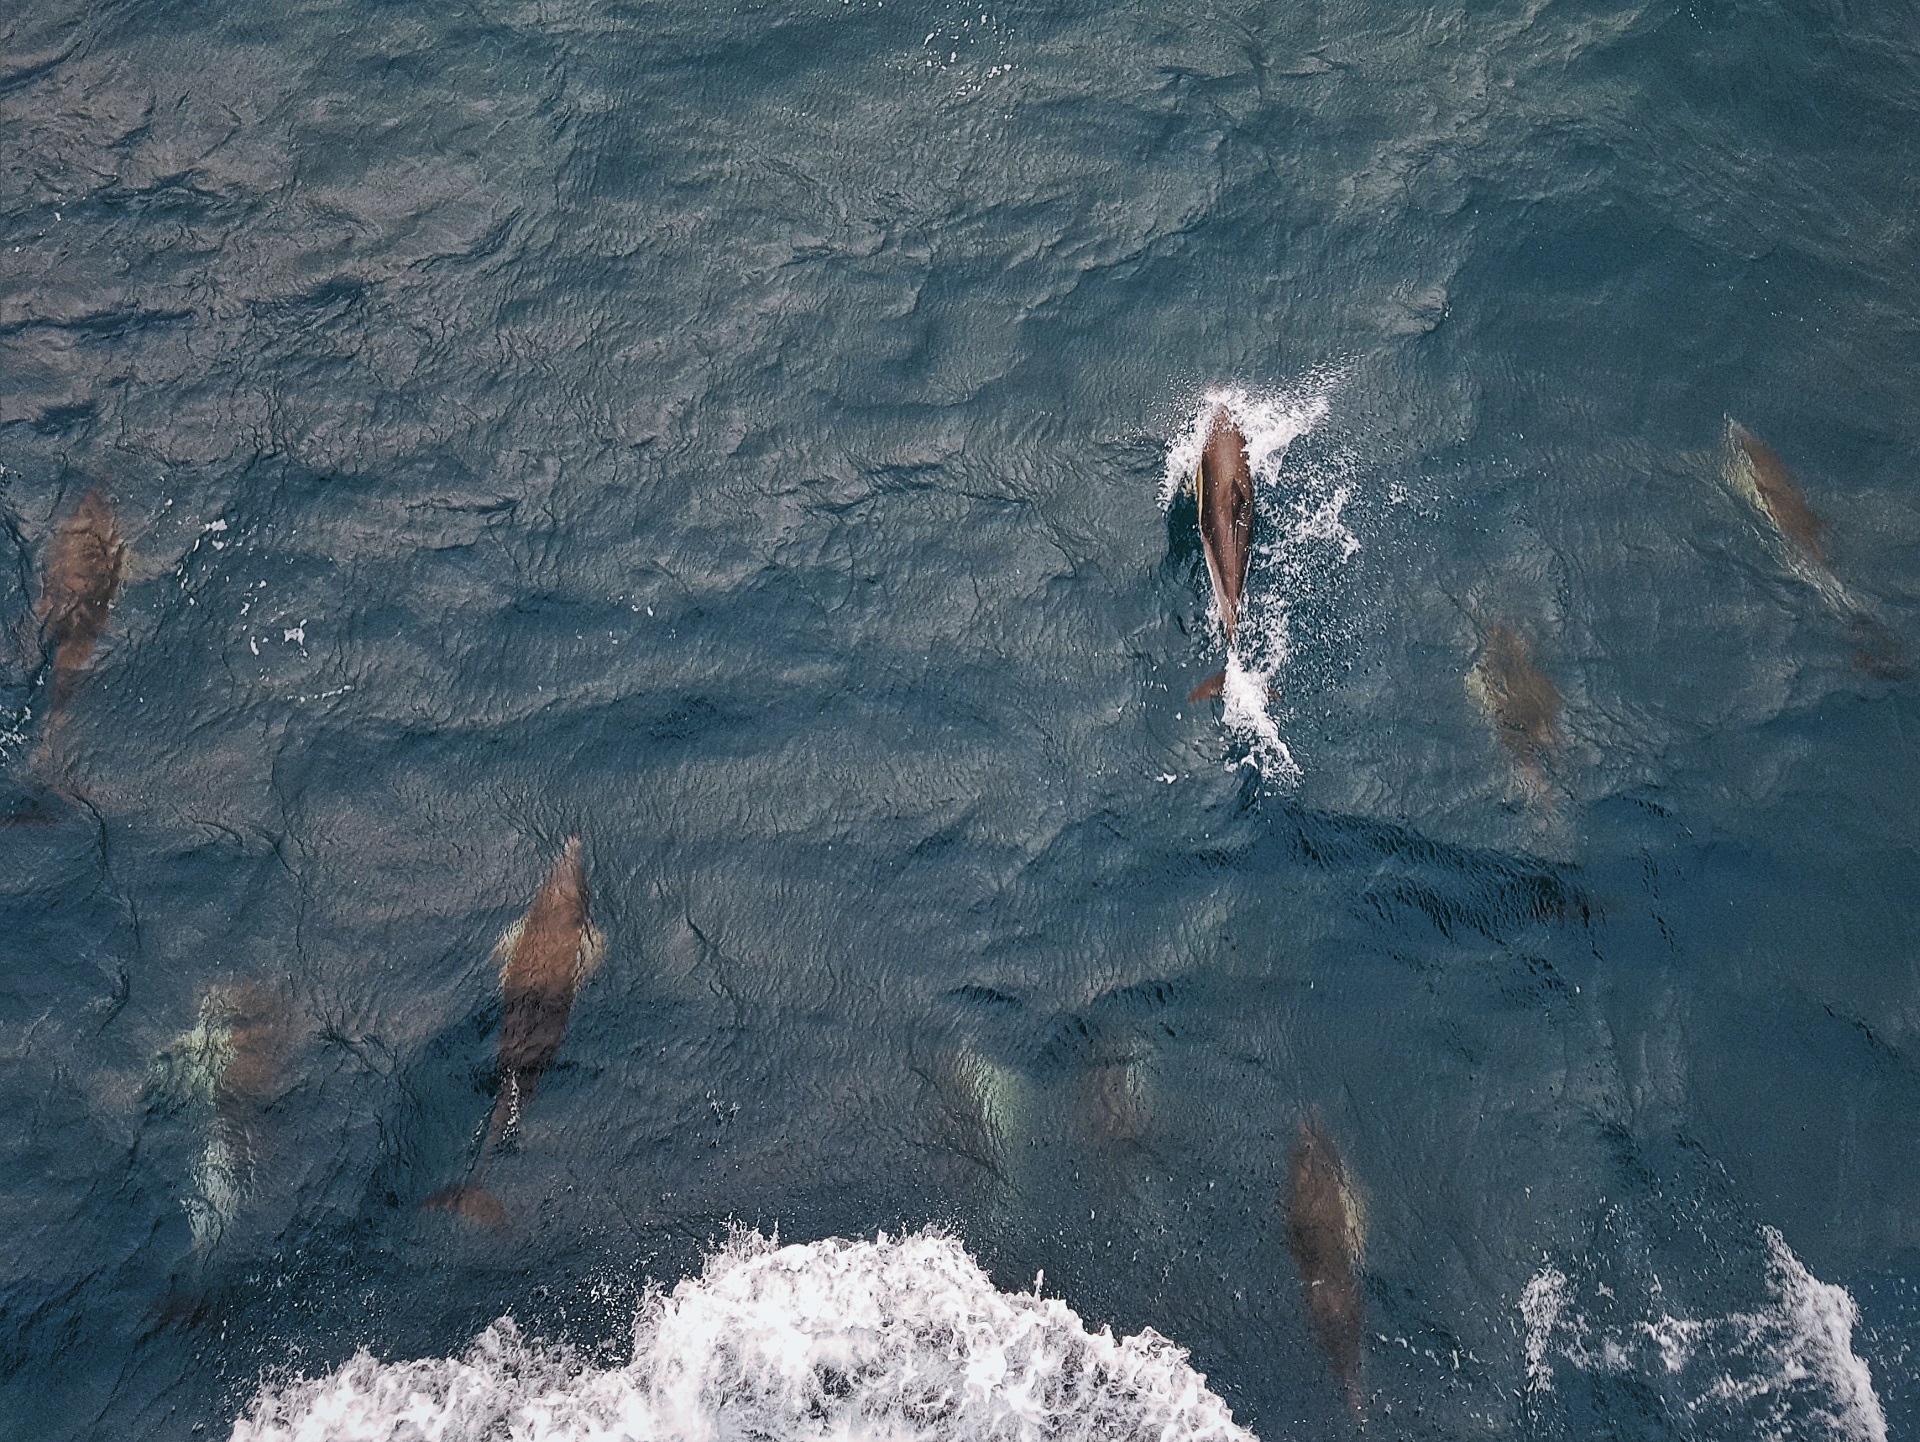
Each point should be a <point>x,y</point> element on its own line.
<point>1786,1369</point>
<point>893,1339</point>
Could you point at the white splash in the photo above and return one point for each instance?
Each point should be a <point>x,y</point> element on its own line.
<point>1299,529</point>
<point>1246,698</point>
<point>834,1341</point>
<point>1763,1374</point>
<point>1270,421</point>
<point>1541,1306</point>
<point>13,734</point>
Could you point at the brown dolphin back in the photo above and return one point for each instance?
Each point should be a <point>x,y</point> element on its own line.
<point>1320,1233</point>
<point>1522,700</point>
<point>83,571</point>
<point>260,1033</point>
<point>1780,495</point>
<point>543,960</point>
<point>1225,497</point>
<point>542,970</point>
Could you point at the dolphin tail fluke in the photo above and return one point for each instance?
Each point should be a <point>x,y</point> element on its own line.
<point>476,1204</point>
<point>1209,689</point>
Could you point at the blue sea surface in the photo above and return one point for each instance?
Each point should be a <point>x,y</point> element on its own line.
<point>751,438</point>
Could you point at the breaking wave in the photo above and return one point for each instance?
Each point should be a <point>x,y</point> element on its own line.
<point>1785,1369</point>
<point>1299,534</point>
<point>892,1339</point>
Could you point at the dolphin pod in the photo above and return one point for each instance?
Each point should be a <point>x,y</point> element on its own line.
<point>1326,1232</point>
<point>544,959</point>
<point>1223,492</point>
<point>229,1065</point>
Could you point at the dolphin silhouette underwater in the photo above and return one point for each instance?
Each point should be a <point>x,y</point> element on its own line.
<point>85,563</point>
<point>544,959</point>
<point>84,566</point>
<point>1756,473</point>
<point>1326,1232</point>
<point>229,1069</point>
<point>1521,703</point>
<point>1223,492</point>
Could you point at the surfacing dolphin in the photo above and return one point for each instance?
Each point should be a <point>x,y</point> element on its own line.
<point>1223,489</point>
<point>544,958</point>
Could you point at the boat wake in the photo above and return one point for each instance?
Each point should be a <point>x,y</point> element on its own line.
<point>897,1339</point>
<point>1784,1369</point>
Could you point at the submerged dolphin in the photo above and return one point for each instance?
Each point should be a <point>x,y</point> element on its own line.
<point>544,957</point>
<point>225,1074</point>
<point>84,566</point>
<point>1326,1232</point>
<point>1223,488</point>
<point>977,1104</point>
<point>229,1069</point>
<point>1519,699</point>
<point>1755,472</point>
<point>1115,1107</point>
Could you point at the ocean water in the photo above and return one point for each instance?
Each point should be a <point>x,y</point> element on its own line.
<point>753,439</point>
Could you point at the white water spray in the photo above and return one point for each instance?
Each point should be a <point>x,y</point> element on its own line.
<point>1786,1370</point>
<point>902,1340</point>
<point>1271,421</point>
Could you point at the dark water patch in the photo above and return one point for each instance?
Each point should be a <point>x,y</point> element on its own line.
<point>1454,888</point>
<point>1493,906</point>
<point>1143,998</point>
<point>986,997</point>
